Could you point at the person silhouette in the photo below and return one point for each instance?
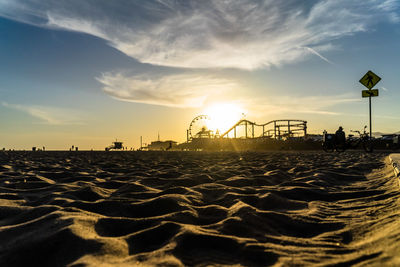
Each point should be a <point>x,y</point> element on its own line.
<point>340,136</point>
<point>370,81</point>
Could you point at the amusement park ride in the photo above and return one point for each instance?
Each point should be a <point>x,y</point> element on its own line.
<point>242,135</point>
<point>276,129</point>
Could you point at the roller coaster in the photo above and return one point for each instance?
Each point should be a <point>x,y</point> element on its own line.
<point>276,129</point>
<point>245,129</point>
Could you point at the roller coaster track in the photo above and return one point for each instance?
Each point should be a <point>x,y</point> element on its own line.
<point>291,126</point>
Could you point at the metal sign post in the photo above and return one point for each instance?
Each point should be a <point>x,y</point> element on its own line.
<point>369,80</point>
<point>370,120</point>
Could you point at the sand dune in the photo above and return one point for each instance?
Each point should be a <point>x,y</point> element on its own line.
<point>185,209</point>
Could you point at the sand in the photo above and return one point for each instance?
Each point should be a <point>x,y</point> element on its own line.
<point>187,208</point>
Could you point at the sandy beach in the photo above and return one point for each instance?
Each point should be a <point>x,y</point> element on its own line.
<point>188,209</point>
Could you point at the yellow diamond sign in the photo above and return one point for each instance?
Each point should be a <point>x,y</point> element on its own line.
<point>370,79</point>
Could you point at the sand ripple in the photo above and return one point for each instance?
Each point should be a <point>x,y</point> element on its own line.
<point>185,209</point>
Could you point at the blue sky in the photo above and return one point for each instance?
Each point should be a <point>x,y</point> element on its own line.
<point>85,72</point>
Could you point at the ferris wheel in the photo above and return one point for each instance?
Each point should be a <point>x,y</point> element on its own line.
<point>198,125</point>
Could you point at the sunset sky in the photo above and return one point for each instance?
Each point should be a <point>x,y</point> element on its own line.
<point>84,72</point>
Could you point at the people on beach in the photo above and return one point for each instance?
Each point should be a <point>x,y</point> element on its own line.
<point>340,136</point>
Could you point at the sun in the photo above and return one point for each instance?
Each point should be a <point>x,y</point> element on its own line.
<point>223,116</point>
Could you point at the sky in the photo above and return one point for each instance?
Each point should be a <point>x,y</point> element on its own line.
<point>87,72</point>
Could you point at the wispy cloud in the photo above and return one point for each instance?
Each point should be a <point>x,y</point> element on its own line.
<point>48,115</point>
<point>387,117</point>
<point>389,6</point>
<point>285,105</point>
<point>245,34</point>
<point>313,51</point>
<point>183,90</point>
